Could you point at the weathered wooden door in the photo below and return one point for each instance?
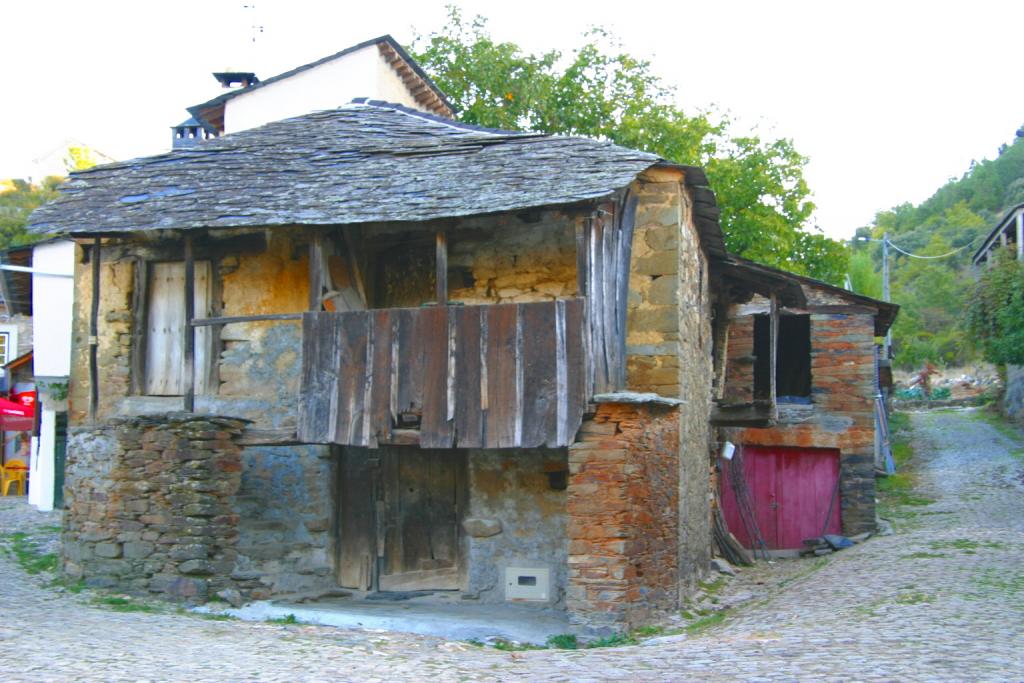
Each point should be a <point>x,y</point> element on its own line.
<point>165,328</point>
<point>399,517</point>
<point>791,492</point>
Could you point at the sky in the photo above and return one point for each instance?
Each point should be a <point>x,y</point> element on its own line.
<point>888,100</point>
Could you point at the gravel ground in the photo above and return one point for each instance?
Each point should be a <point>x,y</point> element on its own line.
<point>940,600</point>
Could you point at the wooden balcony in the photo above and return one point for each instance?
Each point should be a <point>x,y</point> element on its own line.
<point>501,376</point>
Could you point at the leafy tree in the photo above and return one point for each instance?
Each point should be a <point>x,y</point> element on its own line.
<point>79,158</point>
<point>932,294</point>
<point>864,279</point>
<point>18,198</point>
<point>602,92</point>
<point>995,316</point>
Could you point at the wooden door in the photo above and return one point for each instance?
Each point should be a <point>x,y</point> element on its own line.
<point>403,505</point>
<point>791,491</point>
<point>358,484</point>
<point>165,328</point>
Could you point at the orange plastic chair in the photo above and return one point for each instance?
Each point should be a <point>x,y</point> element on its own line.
<point>14,474</point>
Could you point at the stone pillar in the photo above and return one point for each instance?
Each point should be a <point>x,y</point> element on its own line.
<point>150,505</point>
<point>623,509</point>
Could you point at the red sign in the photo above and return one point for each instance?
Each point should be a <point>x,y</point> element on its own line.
<point>26,398</point>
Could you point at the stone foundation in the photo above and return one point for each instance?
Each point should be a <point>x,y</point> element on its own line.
<point>623,527</point>
<point>150,505</point>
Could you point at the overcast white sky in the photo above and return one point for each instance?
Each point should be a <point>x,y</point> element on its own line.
<point>888,99</point>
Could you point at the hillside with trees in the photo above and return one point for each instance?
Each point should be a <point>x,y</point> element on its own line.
<point>933,293</point>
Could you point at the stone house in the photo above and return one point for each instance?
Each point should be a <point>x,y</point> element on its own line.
<point>377,349</point>
<point>800,399</point>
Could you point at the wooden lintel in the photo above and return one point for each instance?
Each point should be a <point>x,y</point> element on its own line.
<point>226,320</point>
<point>402,437</point>
<point>745,415</point>
<point>252,436</point>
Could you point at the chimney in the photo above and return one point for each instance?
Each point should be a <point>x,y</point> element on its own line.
<point>232,79</point>
<point>189,133</point>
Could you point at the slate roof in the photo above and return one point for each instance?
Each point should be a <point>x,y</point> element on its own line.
<point>368,161</point>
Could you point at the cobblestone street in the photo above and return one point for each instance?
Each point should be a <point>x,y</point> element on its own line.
<point>941,599</point>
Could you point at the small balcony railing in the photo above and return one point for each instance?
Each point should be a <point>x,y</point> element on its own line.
<point>501,376</point>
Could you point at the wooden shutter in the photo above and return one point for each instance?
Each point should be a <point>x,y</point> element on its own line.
<point>165,328</point>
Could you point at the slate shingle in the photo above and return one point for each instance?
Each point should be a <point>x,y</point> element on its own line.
<point>360,163</point>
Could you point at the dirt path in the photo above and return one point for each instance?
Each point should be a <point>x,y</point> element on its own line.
<point>941,599</point>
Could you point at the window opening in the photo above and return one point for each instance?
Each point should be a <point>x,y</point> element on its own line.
<point>793,365</point>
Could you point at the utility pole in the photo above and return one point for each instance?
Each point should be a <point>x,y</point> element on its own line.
<point>885,290</point>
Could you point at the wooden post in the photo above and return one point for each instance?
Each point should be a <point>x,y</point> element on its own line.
<point>316,279</point>
<point>774,337</point>
<point>441,263</point>
<point>94,332</point>
<point>189,370</point>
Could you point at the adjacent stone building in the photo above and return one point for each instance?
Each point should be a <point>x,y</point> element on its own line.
<point>377,349</point>
<point>801,410</point>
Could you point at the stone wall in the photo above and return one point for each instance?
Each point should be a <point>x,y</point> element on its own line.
<point>1013,398</point>
<point>652,318</point>
<point>669,345</point>
<point>516,518</point>
<point>150,505</point>
<point>286,521</point>
<point>509,260</point>
<point>842,413</point>
<point>623,524</point>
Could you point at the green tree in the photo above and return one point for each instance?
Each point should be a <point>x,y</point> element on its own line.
<point>931,295</point>
<point>995,314</point>
<point>79,158</point>
<point>19,198</point>
<point>602,92</point>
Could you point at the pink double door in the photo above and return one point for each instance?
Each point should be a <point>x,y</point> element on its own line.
<point>792,491</point>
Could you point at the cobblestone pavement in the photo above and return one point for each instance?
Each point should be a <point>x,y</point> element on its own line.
<point>942,599</point>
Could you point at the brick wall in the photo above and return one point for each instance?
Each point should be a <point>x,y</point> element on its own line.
<point>842,414</point>
<point>623,524</point>
<point>739,367</point>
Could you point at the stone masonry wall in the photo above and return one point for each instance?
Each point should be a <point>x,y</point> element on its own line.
<point>623,522</point>
<point>286,521</point>
<point>515,519</point>
<point>512,261</point>
<point>150,505</point>
<point>652,316</point>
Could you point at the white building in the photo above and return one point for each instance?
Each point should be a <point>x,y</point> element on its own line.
<point>377,69</point>
<point>53,266</point>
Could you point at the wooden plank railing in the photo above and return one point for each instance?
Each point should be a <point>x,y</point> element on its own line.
<point>502,376</point>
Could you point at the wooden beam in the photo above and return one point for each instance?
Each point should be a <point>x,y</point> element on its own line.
<point>140,315</point>
<point>441,267</point>
<point>225,320</point>
<point>94,332</point>
<point>189,359</point>
<point>252,436</point>
<point>354,259</point>
<point>402,437</point>
<point>774,353</point>
<point>316,276</point>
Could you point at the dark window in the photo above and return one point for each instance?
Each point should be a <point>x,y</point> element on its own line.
<point>793,367</point>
